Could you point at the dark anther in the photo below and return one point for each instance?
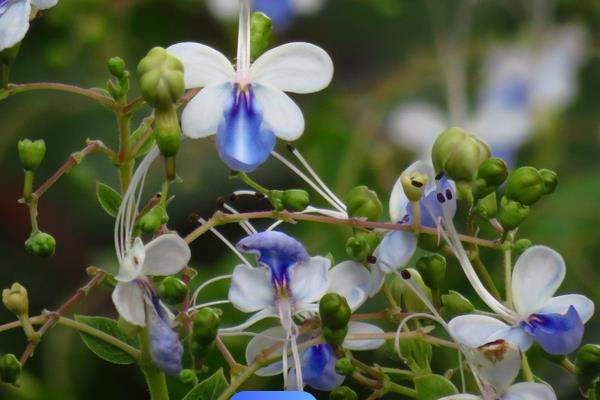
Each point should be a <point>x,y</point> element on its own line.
<point>439,176</point>
<point>291,148</point>
<point>259,195</point>
<point>449,194</point>
<point>371,259</point>
<point>220,202</point>
<point>416,184</point>
<point>440,197</point>
<point>405,274</point>
<point>195,218</point>
<point>233,197</point>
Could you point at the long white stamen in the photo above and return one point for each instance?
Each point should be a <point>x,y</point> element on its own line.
<point>209,304</point>
<point>227,243</point>
<point>307,180</point>
<point>312,210</point>
<point>243,50</point>
<point>245,224</point>
<point>245,193</point>
<point>284,361</point>
<point>205,284</point>
<point>253,334</point>
<point>296,357</point>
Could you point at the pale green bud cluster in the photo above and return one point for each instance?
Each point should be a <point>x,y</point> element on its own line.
<point>16,300</point>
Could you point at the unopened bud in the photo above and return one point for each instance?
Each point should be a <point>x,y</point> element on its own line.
<point>344,366</point>
<point>161,78</point>
<point>459,154</point>
<point>41,244</point>
<point>172,290</point>
<point>493,171</point>
<point>206,324</point>
<point>521,245</point>
<point>343,393</point>
<point>361,245</point>
<point>432,268</point>
<point>334,311</point>
<point>525,185</point>
<point>31,153</point>
<point>362,202</point>
<point>334,337</point>
<point>261,29</point>
<point>487,207</point>
<point>116,66</point>
<point>550,180</point>
<point>512,213</point>
<point>16,300</point>
<point>167,131</point>
<point>587,365</point>
<point>276,199</point>
<point>413,185</point>
<point>10,368</point>
<point>455,304</point>
<point>189,377</point>
<point>295,200</point>
<point>150,222</point>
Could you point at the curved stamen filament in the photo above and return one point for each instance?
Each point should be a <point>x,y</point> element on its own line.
<point>245,224</point>
<point>205,284</point>
<point>227,243</point>
<point>209,304</point>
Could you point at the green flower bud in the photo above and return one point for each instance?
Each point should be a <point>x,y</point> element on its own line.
<point>205,325</point>
<point>362,202</point>
<point>525,185</point>
<point>10,368</point>
<point>521,245</point>
<point>335,337</point>
<point>31,153</point>
<point>487,207</point>
<point>9,55</point>
<point>150,222</point>
<point>334,311</point>
<point>189,377</point>
<point>344,366</point>
<point>167,131</point>
<point>512,213</point>
<point>493,171</point>
<point>459,154</point>
<point>550,180</point>
<point>455,304</point>
<point>295,199</point>
<point>261,29</point>
<point>432,268</point>
<point>413,185</point>
<point>161,78</point>
<point>172,290</point>
<point>276,199</point>
<point>16,300</point>
<point>402,292</point>
<point>343,393</point>
<point>41,244</point>
<point>116,66</point>
<point>588,360</point>
<point>361,245</point>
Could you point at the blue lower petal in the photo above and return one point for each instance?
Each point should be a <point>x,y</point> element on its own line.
<point>318,368</point>
<point>165,348</point>
<point>556,333</point>
<point>242,141</point>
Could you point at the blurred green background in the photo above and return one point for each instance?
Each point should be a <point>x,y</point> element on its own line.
<point>383,53</point>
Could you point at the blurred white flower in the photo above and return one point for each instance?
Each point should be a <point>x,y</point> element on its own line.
<point>15,16</point>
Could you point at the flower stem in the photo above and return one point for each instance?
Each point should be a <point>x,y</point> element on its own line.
<point>526,369</point>
<point>125,161</point>
<point>155,379</point>
<point>508,277</point>
<point>89,93</point>
<point>254,185</point>
<point>403,390</point>
<point>5,76</point>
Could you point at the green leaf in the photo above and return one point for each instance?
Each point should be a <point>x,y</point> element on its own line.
<point>109,198</point>
<point>210,388</point>
<point>102,349</point>
<point>433,387</point>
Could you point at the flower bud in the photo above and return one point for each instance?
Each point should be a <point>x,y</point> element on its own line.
<point>459,154</point>
<point>295,200</point>
<point>172,290</point>
<point>413,185</point>
<point>362,202</point>
<point>550,180</point>
<point>16,300</point>
<point>511,213</point>
<point>41,244</point>
<point>588,360</point>
<point>150,222</point>
<point>402,292</point>
<point>361,244</point>
<point>493,171</point>
<point>521,245</point>
<point>334,311</point>
<point>189,377</point>
<point>116,66</point>
<point>205,325</point>
<point>261,29</point>
<point>525,185</point>
<point>335,337</point>
<point>31,153</point>
<point>432,268</point>
<point>487,207</point>
<point>161,78</point>
<point>455,304</point>
<point>276,199</point>
<point>343,393</point>
<point>344,366</point>
<point>167,131</point>
<point>10,368</point>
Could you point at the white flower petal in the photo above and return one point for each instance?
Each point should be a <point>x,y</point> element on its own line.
<point>462,396</point>
<point>308,280</point>
<point>529,391</point>
<point>203,114</point>
<point>131,265</point>
<point>128,298</point>
<point>166,255</point>
<point>497,363</point>
<point>538,272</point>
<point>561,304</point>
<point>202,64</point>
<point>251,288</point>
<point>280,114</point>
<point>260,343</point>
<point>254,318</point>
<point>14,24</point>
<point>395,250</point>
<point>355,327</point>
<point>294,67</point>
<point>475,330</point>
<point>398,200</point>
<point>377,279</point>
<point>43,4</point>
<point>351,280</point>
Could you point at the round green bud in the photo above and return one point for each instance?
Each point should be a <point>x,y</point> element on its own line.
<point>432,268</point>
<point>455,304</point>
<point>16,299</point>
<point>276,199</point>
<point>116,66</point>
<point>512,213</point>
<point>10,368</point>
<point>550,180</point>
<point>521,245</point>
<point>362,202</point>
<point>487,207</point>
<point>295,199</point>
<point>402,292</point>
<point>205,326</point>
<point>343,393</point>
<point>31,153</point>
<point>493,171</point>
<point>150,222</point>
<point>459,154</point>
<point>335,337</point>
<point>413,184</point>
<point>525,185</point>
<point>344,366</point>
<point>261,30</point>
<point>172,290</point>
<point>188,376</point>
<point>41,244</point>
<point>361,244</point>
<point>334,311</point>
<point>161,78</point>
<point>167,131</point>
<point>588,360</point>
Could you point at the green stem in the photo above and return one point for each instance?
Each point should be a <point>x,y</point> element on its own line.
<point>526,369</point>
<point>508,277</point>
<point>400,373</point>
<point>416,214</point>
<point>254,185</point>
<point>403,390</point>
<point>28,185</point>
<point>485,277</point>
<point>33,213</point>
<point>61,87</point>
<point>155,379</point>
<point>5,76</point>
<point>125,161</point>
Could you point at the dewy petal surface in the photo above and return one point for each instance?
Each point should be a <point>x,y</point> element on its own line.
<point>556,333</point>
<point>251,289</point>
<point>280,114</point>
<point>529,391</point>
<point>166,255</point>
<point>308,279</point>
<point>202,64</point>
<point>128,298</point>
<point>243,141</point>
<point>205,112</point>
<point>14,23</point>
<point>561,304</point>
<point>395,250</point>
<point>538,273</point>
<point>356,327</point>
<point>294,67</point>
<point>351,280</point>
